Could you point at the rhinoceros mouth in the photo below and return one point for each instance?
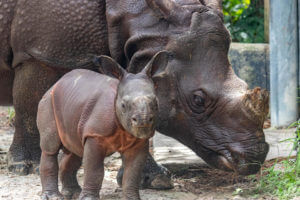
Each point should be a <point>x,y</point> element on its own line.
<point>241,166</point>
<point>226,163</point>
<point>240,162</point>
<point>219,160</point>
<point>143,132</point>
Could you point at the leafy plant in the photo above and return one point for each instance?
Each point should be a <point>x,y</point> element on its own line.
<point>245,20</point>
<point>284,183</point>
<point>233,9</point>
<point>297,145</point>
<point>11,114</point>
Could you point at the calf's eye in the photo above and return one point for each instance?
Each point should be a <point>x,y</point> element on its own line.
<point>123,106</point>
<point>199,98</point>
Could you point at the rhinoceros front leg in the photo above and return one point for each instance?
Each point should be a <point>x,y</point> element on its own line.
<point>32,80</point>
<point>134,161</point>
<point>93,165</point>
<point>154,175</point>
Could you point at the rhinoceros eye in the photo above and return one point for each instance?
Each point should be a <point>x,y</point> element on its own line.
<point>123,107</point>
<point>199,98</point>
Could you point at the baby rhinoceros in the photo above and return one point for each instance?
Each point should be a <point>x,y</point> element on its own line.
<point>89,115</point>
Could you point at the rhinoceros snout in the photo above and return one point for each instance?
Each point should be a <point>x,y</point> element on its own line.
<point>250,160</point>
<point>142,120</point>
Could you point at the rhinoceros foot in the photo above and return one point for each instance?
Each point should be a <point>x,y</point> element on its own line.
<point>154,176</point>
<point>88,197</point>
<point>51,196</point>
<point>71,193</point>
<point>21,166</point>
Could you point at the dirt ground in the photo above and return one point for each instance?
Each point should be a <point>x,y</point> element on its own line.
<point>193,182</point>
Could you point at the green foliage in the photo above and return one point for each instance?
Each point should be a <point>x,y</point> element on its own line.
<point>244,20</point>
<point>297,145</point>
<point>233,9</point>
<point>11,114</point>
<point>284,183</point>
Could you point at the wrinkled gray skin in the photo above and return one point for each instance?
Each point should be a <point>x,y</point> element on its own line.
<point>90,116</point>
<point>203,104</point>
<point>136,102</point>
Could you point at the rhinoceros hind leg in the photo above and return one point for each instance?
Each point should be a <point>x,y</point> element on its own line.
<point>154,176</point>
<point>68,167</point>
<point>49,177</point>
<point>30,83</point>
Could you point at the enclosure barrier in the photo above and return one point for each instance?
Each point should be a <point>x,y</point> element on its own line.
<point>284,61</point>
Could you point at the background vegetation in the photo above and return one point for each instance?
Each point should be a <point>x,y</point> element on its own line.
<point>245,20</point>
<point>284,182</point>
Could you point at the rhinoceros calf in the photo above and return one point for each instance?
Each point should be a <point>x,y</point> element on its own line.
<point>91,115</point>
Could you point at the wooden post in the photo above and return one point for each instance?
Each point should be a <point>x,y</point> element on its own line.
<point>283,62</point>
<point>266,19</point>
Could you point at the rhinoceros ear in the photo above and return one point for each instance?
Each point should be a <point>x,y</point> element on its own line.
<point>162,8</point>
<point>214,4</point>
<point>177,12</point>
<point>109,67</point>
<point>157,64</point>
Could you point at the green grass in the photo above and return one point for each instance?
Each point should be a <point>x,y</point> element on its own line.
<point>11,114</point>
<point>283,183</point>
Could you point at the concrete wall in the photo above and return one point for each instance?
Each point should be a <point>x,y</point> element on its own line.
<point>251,62</point>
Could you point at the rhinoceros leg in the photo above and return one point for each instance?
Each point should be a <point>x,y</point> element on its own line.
<point>32,79</point>
<point>154,175</point>
<point>49,177</point>
<point>68,168</point>
<point>6,83</point>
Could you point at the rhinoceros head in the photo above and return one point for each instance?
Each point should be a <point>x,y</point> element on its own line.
<point>204,104</point>
<point>136,103</point>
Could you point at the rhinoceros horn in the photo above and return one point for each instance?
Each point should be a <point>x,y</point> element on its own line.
<point>256,101</point>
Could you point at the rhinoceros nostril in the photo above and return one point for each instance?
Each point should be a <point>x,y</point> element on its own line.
<point>134,119</point>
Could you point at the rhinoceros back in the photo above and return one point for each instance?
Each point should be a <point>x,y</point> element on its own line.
<point>6,16</point>
<point>61,33</point>
<point>74,99</point>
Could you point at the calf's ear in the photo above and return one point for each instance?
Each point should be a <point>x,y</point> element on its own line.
<point>109,67</point>
<point>157,64</point>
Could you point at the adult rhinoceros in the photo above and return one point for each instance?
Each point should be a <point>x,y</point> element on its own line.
<point>202,103</point>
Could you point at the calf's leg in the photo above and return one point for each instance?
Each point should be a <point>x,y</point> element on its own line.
<point>93,164</point>
<point>32,80</point>
<point>49,177</point>
<point>134,160</point>
<point>50,144</point>
<point>68,168</point>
